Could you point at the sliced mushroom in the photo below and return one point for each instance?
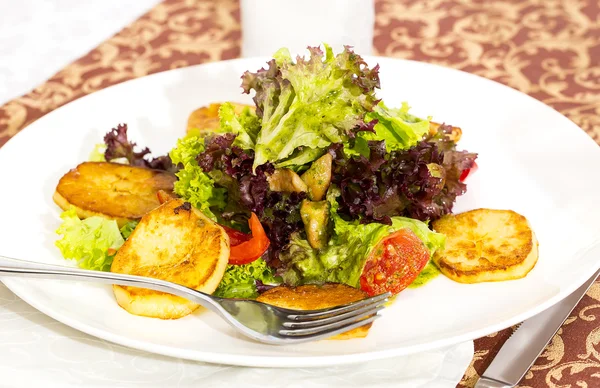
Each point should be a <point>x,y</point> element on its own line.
<point>315,216</point>
<point>318,177</point>
<point>286,180</point>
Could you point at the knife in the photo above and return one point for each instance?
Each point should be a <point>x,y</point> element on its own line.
<point>526,344</point>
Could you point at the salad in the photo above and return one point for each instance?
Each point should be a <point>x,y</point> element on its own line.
<point>318,181</point>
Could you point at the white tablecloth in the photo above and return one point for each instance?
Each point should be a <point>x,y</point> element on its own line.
<point>38,38</point>
<point>37,350</point>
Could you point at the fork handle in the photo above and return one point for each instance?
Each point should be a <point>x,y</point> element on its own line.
<point>28,269</point>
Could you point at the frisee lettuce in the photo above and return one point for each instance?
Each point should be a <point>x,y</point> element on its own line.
<point>310,103</point>
<point>91,242</point>
<point>193,184</point>
<point>239,281</point>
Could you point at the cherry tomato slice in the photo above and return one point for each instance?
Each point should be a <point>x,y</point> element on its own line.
<point>163,196</point>
<point>248,251</point>
<point>394,263</point>
<point>235,236</point>
<point>468,172</point>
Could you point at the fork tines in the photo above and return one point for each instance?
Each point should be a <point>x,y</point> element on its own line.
<point>334,320</point>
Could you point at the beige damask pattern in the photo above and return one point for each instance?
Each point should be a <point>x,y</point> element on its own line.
<point>549,49</point>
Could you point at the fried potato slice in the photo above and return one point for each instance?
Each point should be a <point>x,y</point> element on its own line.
<point>115,191</point>
<point>207,117</point>
<point>486,245</point>
<point>315,297</point>
<point>174,242</point>
<point>455,135</point>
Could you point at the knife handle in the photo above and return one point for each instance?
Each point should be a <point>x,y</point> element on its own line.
<point>510,364</point>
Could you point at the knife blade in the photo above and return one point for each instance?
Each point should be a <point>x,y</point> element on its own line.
<point>526,344</point>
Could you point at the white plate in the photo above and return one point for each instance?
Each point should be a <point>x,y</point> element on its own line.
<point>38,351</point>
<point>532,160</point>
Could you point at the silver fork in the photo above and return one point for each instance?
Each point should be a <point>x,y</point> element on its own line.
<point>259,321</point>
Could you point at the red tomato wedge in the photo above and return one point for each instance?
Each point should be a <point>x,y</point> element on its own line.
<point>468,172</point>
<point>247,251</point>
<point>235,236</point>
<point>163,196</point>
<point>394,263</point>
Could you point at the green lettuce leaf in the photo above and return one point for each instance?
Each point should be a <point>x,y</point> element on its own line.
<point>239,281</point>
<point>128,228</point>
<point>89,241</point>
<point>309,103</point>
<point>245,126</point>
<point>360,146</point>
<point>397,127</point>
<point>343,259</point>
<point>193,184</point>
<point>237,214</point>
<point>97,154</point>
<point>186,150</point>
<point>301,157</point>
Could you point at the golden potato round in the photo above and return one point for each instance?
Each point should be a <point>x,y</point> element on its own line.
<point>315,297</point>
<point>177,243</point>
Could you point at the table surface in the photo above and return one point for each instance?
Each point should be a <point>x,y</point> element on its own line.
<point>547,49</point>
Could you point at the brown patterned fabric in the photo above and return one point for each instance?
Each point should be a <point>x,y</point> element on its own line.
<point>549,49</point>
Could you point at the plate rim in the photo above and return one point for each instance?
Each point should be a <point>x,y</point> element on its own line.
<point>19,287</point>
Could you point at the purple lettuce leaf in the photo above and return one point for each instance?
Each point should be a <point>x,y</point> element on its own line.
<point>422,182</point>
<point>118,146</point>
